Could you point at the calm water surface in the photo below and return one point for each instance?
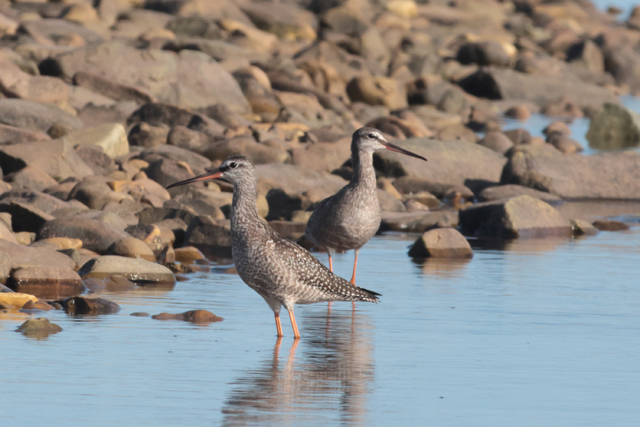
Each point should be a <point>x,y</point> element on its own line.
<point>527,333</point>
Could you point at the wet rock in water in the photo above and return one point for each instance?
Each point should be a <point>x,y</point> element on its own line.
<point>600,176</point>
<point>441,243</point>
<point>46,282</point>
<point>609,225</point>
<point>13,299</point>
<point>95,235</point>
<point>139,314</point>
<point>57,158</point>
<point>510,191</point>
<point>458,163</point>
<point>583,228</point>
<point>136,270</point>
<point>37,305</point>
<point>132,248</point>
<point>38,328</point>
<point>79,305</point>
<point>188,254</point>
<point>194,316</point>
<point>614,126</point>
<point>417,222</point>
<point>211,235</point>
<point>522,216</point>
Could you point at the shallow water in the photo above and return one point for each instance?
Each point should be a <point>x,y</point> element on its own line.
<point>531,332</point>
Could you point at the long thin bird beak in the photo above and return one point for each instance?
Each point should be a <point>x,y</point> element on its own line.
<point>208,175</point>
<point>392,147</point>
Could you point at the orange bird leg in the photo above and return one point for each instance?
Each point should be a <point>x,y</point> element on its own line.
<point>355,264</point>
<point>296,334</point>
<point>278,325</point>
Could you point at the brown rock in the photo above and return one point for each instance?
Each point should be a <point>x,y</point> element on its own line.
<point>522,216</point>
<point>95,235</point>
<point>39,328</point>
<point>15,83</point>
<point>377,90</point>
<point>46,282</point>
<point>209,234</point>
<point>37,305</point>
<point>25,217</point>
<point>112,89</point>
<point>609,225</point>
<point>79,305</point>
<point>194,316</point>
<point>188,254</point>
<point>583,228</point>
<point>22,257</point>
<point>497,141</point>
<point>417,222</point>
<point>132,248</point>
<point>34,116</point>
<point>510,191</point>
<point>441,243</point>
<point>136,270</point>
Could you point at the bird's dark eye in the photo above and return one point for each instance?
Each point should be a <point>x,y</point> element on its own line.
<point>372,136</point>
<point>233,165</point>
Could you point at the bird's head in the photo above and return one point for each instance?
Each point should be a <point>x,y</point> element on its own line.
<point>234,169</point>
<point>369,139</point>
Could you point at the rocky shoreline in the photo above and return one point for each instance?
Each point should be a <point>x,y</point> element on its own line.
<point>103,104</point>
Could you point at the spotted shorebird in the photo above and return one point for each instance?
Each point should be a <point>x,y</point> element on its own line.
<point>351,217</point>
<point>282,272</point>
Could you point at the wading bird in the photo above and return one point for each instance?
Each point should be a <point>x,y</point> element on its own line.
<point>351,217</point>
<point>282,272</point>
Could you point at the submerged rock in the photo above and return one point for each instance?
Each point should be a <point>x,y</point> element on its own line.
<point>614,127</point>
<point>136,270</point>
<point>38,328</point>
<point>194,316</point>
<point>88,305</point>
<point>609,225</point>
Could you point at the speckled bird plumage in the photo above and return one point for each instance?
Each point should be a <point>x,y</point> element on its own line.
<point>275,267</point>
<point>282,272</point>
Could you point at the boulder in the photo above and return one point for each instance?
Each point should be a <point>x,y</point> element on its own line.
<point>15,299</point>
<point>136,270</point>
<point>39,328</point>
<point>623,63</point>
<point>450,162</point>
<point>583,228</point>
<point>56,158</point>
<point>36,199</point>
<point>194,316</point>
<point>610,225</point>
<point>161,115</point>
<point>213,236</point>
<point>493,83</point>
<point>287,21</point>
<point>196,162</point>
<point>132,248</point>
<point>522,216</point>
<point>378,90</point>
<point>257,153</point>
<point>16,135</point>
<point>112,89</point>
<point>22,257</point>
<point>97,160</point>
<point>35,116</point>
<point>496,141</point>
<point>188,255</point>
<point>91,305</point>
<point>600,176</point>
<point>441,243</point>
<point>96,235</point>
<point>483,53</point>
<point>188,79</point>
<point>46,282</point>
<point>15,83</point>
<point>296,180</point>
<point>417,222</point>
<point>110,136</point>
<point>25,217</point>
<point>32,178</point>
<point>322,156</point>
<point>613,127</point>
<point>510,191</point>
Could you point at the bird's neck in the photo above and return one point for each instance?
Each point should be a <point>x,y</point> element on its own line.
<point>363,172</point>
<point>243,208</point>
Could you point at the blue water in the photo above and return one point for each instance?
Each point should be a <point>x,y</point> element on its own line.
<point>535,333</point>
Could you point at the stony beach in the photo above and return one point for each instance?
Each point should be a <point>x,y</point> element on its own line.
<point>105,103</point>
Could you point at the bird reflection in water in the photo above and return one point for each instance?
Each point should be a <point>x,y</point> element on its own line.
<point>326,379</point>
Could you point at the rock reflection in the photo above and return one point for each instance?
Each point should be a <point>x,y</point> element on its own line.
<point>327,378</point>
<point>441,266</point>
